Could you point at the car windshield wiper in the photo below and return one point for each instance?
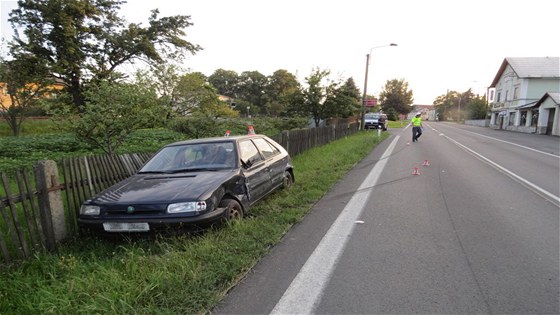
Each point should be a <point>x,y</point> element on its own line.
<point>191,169</point>
<point>151,172</point>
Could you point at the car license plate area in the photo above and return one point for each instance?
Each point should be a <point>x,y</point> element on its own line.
<point>126,227</point>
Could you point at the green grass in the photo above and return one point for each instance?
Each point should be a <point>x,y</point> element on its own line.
<point>31,126</point>
<point>397,124</point>
<point>184,274</point>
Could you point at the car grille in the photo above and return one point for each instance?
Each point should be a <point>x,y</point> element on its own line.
<point>139,210</point>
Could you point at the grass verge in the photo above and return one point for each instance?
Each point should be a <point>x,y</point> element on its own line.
<point>181,274</point>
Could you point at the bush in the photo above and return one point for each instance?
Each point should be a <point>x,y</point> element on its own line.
<point>24,151</point>
<point>203,126</point>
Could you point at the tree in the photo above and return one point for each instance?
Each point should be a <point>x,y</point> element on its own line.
<point>252,86</point>
<point>280,88</point>
<point>396,95</point>
<point>162,78</point>
<point>477,108</point>
<point>347,99</point>
<point>316,99</point>
<point>112,112</point>
<point>226,82</point>
<point>453,105</point>
<point>25,81</point>
<point>86,41</point>
<point>192,93</point>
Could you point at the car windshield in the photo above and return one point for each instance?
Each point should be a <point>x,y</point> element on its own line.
<point>192,157</point>
<point>372,116</point>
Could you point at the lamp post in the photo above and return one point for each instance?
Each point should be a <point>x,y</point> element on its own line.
<point>364,98</point>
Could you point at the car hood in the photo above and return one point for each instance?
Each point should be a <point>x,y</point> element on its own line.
<point>162,188</point>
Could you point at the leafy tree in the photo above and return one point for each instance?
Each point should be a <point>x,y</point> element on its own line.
<point>317,98</point>
<point>111,113</point>
<point>82,41</point>
<point>347,99</point>
<point>454,105</point>
<point>279,90</point>
<point>444,104</point>
<point>192,93</point>
<point>477,108</point>
<point>396,95</point>
<point>252,86</point>
<point>163,79</point>
<point>25,82</point>
<point>226,82</point>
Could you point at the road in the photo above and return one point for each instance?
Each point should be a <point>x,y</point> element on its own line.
<point>475,231</point>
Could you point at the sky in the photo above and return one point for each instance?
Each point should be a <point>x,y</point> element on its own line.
<point>443,45</point>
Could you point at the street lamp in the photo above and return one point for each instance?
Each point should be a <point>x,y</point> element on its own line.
<point>364,98</point>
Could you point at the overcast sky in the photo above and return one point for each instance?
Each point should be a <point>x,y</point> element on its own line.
<point>442,45</point>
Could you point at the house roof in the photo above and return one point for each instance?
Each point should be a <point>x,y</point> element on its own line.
<point>554,96</point>
<point>530,67</point>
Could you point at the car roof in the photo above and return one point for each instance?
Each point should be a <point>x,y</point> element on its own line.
<point>215,139</point>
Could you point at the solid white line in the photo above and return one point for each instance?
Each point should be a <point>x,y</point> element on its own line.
<point>515,144</point>
<point>305,291</point>
<point>548,195</point>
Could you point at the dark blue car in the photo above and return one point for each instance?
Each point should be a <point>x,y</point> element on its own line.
<point>194,183</point>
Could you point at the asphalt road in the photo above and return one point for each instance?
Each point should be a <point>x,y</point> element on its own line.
<point>477,231</point>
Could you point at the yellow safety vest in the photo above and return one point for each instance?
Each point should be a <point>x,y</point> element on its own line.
<point>417,122</point>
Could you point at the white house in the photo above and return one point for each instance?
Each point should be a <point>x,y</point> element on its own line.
<point>526,95</point>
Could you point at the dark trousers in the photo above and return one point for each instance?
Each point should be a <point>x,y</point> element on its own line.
<point>416,133</point>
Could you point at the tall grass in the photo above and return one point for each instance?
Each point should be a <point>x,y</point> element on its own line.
<point>182,274</point>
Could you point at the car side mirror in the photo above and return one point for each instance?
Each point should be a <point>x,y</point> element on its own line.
<point>246,164</point>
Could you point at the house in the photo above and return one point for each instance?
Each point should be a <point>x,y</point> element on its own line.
<point>526,95</point>
<point>428,112</point>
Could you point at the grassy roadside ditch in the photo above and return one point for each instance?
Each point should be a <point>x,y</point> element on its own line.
<point>182,274</point>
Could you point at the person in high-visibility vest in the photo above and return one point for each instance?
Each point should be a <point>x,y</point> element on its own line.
<point>416,123</point>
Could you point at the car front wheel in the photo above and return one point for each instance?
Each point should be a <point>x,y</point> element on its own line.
<point>233,209</point>
<point>288,180</point>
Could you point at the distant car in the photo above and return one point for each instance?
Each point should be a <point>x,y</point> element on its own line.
<point>375,121</point>
<point>192,183</point>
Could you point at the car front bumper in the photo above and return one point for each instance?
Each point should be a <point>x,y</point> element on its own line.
<point>156,223</point>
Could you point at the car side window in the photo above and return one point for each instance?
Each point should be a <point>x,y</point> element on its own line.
<point>249,152</point>
<point>265,147</point>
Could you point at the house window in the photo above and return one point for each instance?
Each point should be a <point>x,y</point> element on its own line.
<point>535,118</point>
<point>499,97</point>
<point>523,118</point>
<point>515,92</point>
<point>491,95</point>
<point>505,99</point>
<point>511,119</point>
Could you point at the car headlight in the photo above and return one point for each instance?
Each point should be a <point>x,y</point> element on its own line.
<point>89,210</point>
<point>183,207</point>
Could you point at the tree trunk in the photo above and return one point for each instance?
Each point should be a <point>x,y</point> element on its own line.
<point>76,91</point>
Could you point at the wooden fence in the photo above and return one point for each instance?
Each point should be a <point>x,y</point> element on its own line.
<point>40,207</point>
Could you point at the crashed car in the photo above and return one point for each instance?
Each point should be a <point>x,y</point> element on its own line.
<point>192,183</point>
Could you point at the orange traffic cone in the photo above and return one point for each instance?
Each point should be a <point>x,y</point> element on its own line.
<point>227,133</point>
<point>416,171</point>
<point>426,163</point>
<point>251,130</point>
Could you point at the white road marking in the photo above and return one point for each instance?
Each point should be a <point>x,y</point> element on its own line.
<point>548,195</point>
<point>305,291</point>
<point>511,143</point>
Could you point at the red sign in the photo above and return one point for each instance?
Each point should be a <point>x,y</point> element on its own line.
<point>371,102</point>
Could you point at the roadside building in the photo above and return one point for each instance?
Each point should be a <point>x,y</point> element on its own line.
<point>526,95</point>
<point>428,112</point>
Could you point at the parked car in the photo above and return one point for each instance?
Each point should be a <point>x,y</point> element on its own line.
<point>192,183</point>
<point>375,121</point>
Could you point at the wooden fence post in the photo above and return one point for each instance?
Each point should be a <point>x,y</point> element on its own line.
<point>51,206</point>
